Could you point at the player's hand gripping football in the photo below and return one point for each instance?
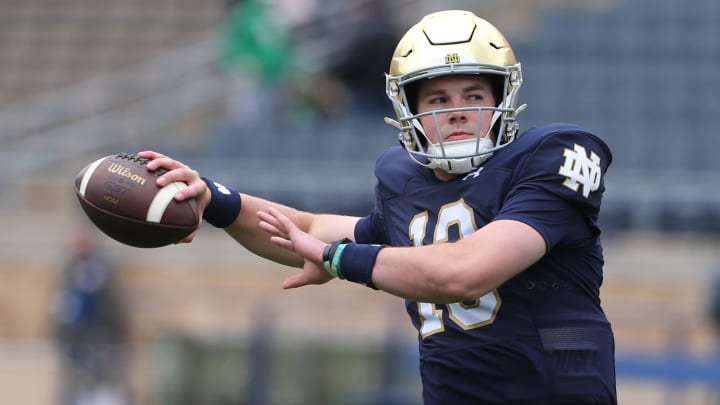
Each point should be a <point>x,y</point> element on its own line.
<point>178,171</point>
<point>284,233</point>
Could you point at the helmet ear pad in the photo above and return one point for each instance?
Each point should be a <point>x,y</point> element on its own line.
<point>411,95</point>
<point>498,88</point>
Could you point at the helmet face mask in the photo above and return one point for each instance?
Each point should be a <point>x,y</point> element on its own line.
<point>453,43</point>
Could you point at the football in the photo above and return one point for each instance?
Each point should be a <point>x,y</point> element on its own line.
<point>121,197</point>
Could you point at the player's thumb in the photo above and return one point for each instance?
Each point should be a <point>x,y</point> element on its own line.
<point>298,280</point>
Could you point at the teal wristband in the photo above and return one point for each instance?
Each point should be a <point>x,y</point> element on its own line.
<point>335,265</point>
<point>331,257</point>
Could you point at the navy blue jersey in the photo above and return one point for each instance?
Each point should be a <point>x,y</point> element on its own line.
<point>541,337</point>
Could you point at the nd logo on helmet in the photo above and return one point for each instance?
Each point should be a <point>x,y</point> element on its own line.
<point>452,58</point>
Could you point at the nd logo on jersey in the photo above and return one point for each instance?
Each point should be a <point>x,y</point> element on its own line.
<point>581,170</point>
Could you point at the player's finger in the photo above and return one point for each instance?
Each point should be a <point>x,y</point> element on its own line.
<point>165,163</point>
<point>284,223</point>
<point>295,281</point>
<point>184,174</point>
<point>161,161</point>
<point>268,228</point>
<point>193,190</point>
<point>194,186</point>
<point>271,229</point>
<point>149,154</point>
<point>283,242</point>
<point>270,221</point>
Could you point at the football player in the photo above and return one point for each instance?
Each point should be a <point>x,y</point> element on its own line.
<point>491,236</point>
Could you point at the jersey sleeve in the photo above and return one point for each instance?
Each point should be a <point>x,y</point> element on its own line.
<point>558,187</point>
<point>369,229</point>
<point>391,176</point>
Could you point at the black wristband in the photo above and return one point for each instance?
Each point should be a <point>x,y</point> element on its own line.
<point>224,206</point>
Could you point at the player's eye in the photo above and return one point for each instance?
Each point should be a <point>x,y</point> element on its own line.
<point>476,97</point>
<point>437,100</point>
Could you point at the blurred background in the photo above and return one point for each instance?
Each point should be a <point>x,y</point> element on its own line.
<point>285,99</point>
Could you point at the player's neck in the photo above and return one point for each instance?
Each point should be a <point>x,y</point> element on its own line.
<point>442,175</point>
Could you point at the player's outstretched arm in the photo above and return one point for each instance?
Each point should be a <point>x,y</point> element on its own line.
<point>463,270</point>
<point>243,226</point>
<point>439,273</point>
<point>247,231</point>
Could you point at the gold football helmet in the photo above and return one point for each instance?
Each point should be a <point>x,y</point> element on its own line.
<point>446,43</point>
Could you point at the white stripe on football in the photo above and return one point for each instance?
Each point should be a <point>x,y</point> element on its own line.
<point>162,199</point>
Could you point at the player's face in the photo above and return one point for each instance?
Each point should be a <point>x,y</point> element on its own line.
<point>455,91</point>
